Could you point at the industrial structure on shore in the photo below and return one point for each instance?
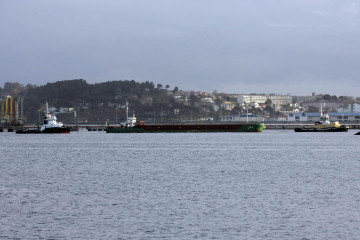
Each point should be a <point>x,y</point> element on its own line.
<point>12,112</point>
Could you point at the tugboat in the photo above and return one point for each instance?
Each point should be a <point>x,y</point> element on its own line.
<point>50,125</point>
<point>324,125</point>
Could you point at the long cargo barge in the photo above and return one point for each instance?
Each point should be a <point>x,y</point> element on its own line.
<point>133,126</point>
<point>155,128</point>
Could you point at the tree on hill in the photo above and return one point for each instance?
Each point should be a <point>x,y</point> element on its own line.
<point>269,109</point>
<point>326,97</point>
<point>236,110</point>
<point>268,102</point>
<point>99,100</point>
<point>13,89</point>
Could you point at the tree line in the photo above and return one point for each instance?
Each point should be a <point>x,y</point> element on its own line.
<point>100,102</point>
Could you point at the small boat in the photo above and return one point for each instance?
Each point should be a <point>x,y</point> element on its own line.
<point>358,133</point>
<point>324,125</point>
<point>50,125</point>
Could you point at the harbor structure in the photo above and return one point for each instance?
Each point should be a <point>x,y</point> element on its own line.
<point>314,116</point>
<point>12,111</point>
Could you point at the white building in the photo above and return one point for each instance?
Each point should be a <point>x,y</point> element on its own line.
<point>228,105</point>
<point>332,105</point>
<point>305,98</point>
<point>313,117</point>
<point>280,99</point>
<point>248,98</point>
<point>66,110</point>
<point>355,107</point>
<point>261,98</point>
<point>207,99</point>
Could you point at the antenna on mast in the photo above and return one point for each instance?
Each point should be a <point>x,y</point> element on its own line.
<point>127,110</point>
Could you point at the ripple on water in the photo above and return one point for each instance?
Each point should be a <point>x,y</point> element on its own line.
<point>272,185</point>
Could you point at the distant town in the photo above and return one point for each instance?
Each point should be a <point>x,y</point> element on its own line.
<point>76,101</point>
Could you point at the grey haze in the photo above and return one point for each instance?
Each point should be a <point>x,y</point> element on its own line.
<point>268,46</point>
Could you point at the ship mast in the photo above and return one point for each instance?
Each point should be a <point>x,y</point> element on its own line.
<point>127,110</point>
<point>321,113</point>
<point>324,117</point>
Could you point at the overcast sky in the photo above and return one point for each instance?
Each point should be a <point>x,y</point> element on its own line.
<point>235,46</point>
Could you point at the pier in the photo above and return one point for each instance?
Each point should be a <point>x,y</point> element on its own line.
<point>101,127</point>
<point>293,125</point>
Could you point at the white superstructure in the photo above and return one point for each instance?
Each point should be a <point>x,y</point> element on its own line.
<point>130,121</point>
<point>50,120</point>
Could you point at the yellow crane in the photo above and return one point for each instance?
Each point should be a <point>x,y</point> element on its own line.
<point>11,108</point>
<point>7,107</point>
<point>2,108</point>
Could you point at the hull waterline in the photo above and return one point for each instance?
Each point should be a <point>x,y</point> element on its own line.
<point>255,127</point>
<point>330,129</point>
<point>46,131</point>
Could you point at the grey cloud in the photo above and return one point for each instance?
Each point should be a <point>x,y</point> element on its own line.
<point>237,46</point>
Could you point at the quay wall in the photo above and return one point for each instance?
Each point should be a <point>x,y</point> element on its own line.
<point>291,126</point>
<point>269,125</point>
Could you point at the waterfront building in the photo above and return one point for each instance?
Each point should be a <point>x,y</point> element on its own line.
<point>262,98</point>
<point>305,98</point>
<point>280,99</point>
<point>207,99</point>
<point>355,107</point>
<point>334,116</point>
<point>331,105</point>
<point>248,98</point>
<point>227,105</point>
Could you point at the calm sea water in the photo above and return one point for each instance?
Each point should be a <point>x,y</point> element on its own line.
<point>93,185</point>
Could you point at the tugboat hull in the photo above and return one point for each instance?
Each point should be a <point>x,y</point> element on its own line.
<point>56,130</point>
<point>28,131</point>
<point>329,129</point>
<point>46,131</point>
